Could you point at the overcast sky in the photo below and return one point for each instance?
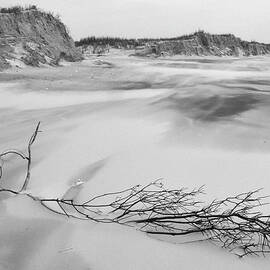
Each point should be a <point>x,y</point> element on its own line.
<point>248,19</point>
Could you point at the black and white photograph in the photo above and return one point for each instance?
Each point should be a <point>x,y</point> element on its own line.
<point>134,135</point>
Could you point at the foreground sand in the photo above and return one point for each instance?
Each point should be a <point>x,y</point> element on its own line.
<point>117,121</point>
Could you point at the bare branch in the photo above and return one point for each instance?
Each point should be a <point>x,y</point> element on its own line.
<point>23,156</point>
<point>31,141</point>
<point>235,223</point>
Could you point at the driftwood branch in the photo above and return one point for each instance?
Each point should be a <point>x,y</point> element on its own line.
<point>235,223</point>
<point>20,154</point>
<point>29,157</point>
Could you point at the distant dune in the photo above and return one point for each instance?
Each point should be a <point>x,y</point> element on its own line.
<point>199,43</point>
<point>205,44</point>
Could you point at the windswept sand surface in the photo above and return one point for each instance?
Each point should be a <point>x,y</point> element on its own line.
<point>117,121</point>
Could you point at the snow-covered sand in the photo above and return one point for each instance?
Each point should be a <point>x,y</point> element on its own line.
<point>189,121</point>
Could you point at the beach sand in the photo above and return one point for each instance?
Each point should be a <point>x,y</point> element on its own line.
<point>116,121</point>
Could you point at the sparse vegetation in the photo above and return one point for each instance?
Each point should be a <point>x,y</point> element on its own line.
<point>18,9</point>
<point>133,42</point>
<point>114,42</point>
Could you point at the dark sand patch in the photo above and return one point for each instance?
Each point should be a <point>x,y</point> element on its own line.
<point>254,81</point>
<point>214,108</point>
<point>141,85</point>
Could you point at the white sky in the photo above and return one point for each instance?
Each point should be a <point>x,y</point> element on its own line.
<point>248,19</point>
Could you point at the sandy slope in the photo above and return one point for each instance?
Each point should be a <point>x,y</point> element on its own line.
<point>130,123</point>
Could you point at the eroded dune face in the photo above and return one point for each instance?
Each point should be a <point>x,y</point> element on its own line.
<point>33,37</point>
<point>191,121</point>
